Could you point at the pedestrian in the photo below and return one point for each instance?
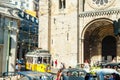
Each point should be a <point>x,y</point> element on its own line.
<point>56,63</point>
<point>62,66</point>
<point>19,66</point>
<point>59,74</point>
<point>86,66</point>
<point>16,67</point>
<point>69,73</point>
<point>112,77</point>
<point>52,63</point>
<point>87,76</point>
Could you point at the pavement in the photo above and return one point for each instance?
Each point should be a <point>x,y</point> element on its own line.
<point>54,70</point>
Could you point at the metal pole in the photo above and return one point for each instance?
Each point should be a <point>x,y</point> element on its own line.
<point>78,31</point>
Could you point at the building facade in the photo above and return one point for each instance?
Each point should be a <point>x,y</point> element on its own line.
<point>18,31</point>
<point>28,34</point>
<point>22,4</point>
<point>8,39</point>
<point>29,6</point>
<point>79,30</point>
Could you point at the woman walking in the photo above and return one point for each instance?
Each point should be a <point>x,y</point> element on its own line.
<point>59,73</point>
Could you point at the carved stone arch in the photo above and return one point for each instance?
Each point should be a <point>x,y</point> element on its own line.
<point>92,36</point>
<point>87,25</point>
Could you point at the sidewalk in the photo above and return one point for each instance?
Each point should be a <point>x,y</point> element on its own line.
<point>54,70</point>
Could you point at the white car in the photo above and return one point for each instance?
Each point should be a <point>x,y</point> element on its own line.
<point>107,73</point>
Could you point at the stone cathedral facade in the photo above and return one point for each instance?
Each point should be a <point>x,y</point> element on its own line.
<point>78,30</point>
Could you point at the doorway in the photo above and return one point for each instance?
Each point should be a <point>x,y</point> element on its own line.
<point>108,48</point>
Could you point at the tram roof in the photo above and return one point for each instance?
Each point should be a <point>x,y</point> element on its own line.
<point>39,53</point>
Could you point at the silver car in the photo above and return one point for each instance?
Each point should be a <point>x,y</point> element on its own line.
<point>73,74</point>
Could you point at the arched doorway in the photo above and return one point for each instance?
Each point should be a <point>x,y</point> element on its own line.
<point>95,37</point>
<point>108,48</point>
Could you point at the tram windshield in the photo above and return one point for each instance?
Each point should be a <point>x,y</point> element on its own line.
<point>38,56</point>
<point>45,60</point>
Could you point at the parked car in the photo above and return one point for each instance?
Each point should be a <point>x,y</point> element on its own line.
<point>33,75</point>
<point>107,73</point>
<point>111,65</point>
<point>73,74</point>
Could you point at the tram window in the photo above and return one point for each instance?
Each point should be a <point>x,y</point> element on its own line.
<point>45,60</point>
<point>29,59</point>
<point>49,60</point>
<point>39,60</point>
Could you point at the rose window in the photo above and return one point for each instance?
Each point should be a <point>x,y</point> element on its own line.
<point>101,2</point>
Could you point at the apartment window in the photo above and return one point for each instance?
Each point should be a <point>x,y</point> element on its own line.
<point>62,4</point>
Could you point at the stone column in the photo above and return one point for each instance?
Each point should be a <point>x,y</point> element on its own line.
<point>99,47</point>
<point>13,46</point>
<point>81,2</point>
<point>81,50</point>
<point>81,40</point>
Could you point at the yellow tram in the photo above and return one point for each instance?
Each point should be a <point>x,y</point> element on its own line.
<point>38,60</point>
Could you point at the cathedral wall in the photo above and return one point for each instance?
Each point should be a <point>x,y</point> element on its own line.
<point>63,23</point>
<point>91,14</point>
<point>96,5</point>
<point>64,34</point>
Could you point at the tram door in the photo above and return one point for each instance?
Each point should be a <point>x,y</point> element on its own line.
<point>108,48</point>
